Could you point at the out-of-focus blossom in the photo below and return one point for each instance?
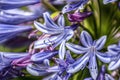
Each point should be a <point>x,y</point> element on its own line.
<point>60,70</point>
<point>90,49</point>
<point>108,1</point>
<point>58,34</point>
<point>11,72</point>
<point>9,31</point>
<point>17,16</point>
<point>11,4</point>
<point>74,5</point>
<point>102,75</point>
<point>41,56</point>
<point>78,16</point>
<point>6,58</point>
<point>114,52</point>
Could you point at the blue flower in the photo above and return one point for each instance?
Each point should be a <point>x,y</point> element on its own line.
<point>108,1</point>
<point>114,52</point>
<point>11,4</point>
<point>17,16</point>
<point>58,34</point>
<point>6,58</point>
<point>90,49</point>
<point>102,75</point>
<point>9,31</point>
<point>60,70</point>
<point>74,5</point>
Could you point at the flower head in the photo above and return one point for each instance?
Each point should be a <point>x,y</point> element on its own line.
<point>58,34</point>
<point>90,49</point>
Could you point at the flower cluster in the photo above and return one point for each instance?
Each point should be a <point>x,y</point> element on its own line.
<point>53,53</point>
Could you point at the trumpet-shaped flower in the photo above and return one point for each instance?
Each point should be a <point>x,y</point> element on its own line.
<point>17,16</point>
<point>90,49</point>
<point>60,70</point>
<point>59,34</point>
<point>108,1</point>
<point>9,31</point>
<point>114,52</point>
<point>6,58</point>
<point>11,4</point>
<point>74,5</point>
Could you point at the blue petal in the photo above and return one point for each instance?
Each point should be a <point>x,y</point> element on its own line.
<point>104,57</point>
<point>113,49</point>
<point>86,39</point>
<point>11,4</point>
<point>40,57</point>
<point>108,77</point>
<point>108,1</point>
<point>73,6</point>
<point>93,66</point>
<point>50,23</point>
<point>76,48</point>
<point>53,69</point>
<point>100,42</point>
<point>17,16</point>
<point>37,70</point>
<point>114,65</point>
<point>69,58</point>
<point>45,29</point>
<point>61,21</point>
<point>78,64</point>
<point>62,50</point>
<point>88,78</point>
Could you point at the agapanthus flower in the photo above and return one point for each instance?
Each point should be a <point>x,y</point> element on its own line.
<point>114,52</point>
<point>90,49</point>
<point>6,58</point>
<point>60,70</point>
<point>74,5</point>
<point>9,31</point>
<point>58,34</point>
<point>108,1</point>
<point>78,16</point>
<point>18,16</point>
<point>11,72</point>
<point>102,75</point>
<point>11,4</point>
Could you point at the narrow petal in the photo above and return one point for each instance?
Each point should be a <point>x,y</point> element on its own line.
<point>100,42</point>
<point>78,64</point>
<point>40,57</point>
<point>53,69</point>
<point>61,21</point>
<point>88,78</point>
<point>86,39</point>
<point>62,50</point>
<point>93,66</point>
<point>36,70</point>
<point>114,65</point>
<point>108,77</point>
<point>113,49</point>
<point>69,58</point>
<point>76,48</point>
<point>45,29</point>
<point>104,57</point>
<point>6,4</point>
<point>108,1</point>
<point>73,6</point>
